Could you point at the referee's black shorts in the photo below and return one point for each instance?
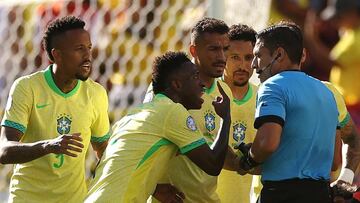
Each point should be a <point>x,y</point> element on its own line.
<point>295,191</point>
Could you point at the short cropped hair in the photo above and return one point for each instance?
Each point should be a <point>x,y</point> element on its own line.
<point>242,32</point>
<point>208,25</point>
<point>164,67</point>
<point>285,34</point>
<point>58,27</point>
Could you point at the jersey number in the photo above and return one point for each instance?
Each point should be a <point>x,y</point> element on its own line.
<point>61,161</point>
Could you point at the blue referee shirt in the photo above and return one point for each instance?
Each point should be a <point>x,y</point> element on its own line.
<point>306,109</point>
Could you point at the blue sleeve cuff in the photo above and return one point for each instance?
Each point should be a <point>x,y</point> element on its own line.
<point>15,125</point>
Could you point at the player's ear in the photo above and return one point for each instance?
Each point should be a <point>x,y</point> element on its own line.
<point>176,84</point>
<point>192,50</point>
<point>56,54</point>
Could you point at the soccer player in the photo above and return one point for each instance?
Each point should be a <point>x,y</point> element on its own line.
<point>231,186</point>
<point>51,117</point>
<point>208,48</point>
<point>144,141</point>
<point>288,98</point>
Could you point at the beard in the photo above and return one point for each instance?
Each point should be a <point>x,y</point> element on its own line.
<point>82,77</point>
<point>240,84</point>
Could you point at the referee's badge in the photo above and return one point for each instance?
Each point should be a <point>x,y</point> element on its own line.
<point>190,123</point>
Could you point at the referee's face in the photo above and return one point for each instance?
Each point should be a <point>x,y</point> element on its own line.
<point>75,54</point>
<point>191,88</point>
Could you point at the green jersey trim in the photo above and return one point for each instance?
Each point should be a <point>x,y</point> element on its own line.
<point>345,120</point>
<point>153,149</point>
<point>15,125</point>
<point>247,97</point>
<point>50,81</point>
<point>211,89</point>
<point>160,95</point>
<point>192,145</point>
<point>100,139</point>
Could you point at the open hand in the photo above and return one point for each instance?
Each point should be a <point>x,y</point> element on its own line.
<point>65,144</point>
<point>167,193</point>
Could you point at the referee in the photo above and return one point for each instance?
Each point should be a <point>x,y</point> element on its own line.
<point>296,118</point>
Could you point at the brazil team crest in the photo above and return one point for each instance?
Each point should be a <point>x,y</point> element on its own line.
<point>190,123</point>
<point>210,121</point>
<point>63,124</point>
<point>239,131</point>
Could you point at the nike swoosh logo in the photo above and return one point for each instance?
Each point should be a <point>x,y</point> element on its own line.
<point>38,106</point>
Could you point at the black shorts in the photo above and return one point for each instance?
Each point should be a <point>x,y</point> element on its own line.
<point>295,191</point>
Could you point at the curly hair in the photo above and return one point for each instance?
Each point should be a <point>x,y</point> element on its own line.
<point>164,67</point>
<point>208,25</point>
<point>58,27</point>
<point>242,32</point>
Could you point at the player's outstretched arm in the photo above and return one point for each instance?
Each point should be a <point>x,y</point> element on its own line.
<point>212,160</point>
<point>12,151</point>
<point>351,137</point>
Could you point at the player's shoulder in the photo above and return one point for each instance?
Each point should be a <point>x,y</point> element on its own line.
<point>330,86</point>
<point>31,79</point>
<point>166,106</point>
<point>93,87</point>
<point>254,87</point>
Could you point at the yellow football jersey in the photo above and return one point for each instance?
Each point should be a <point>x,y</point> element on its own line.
<point>345,78</point>
<point>38,108</point>
<point>233,187</point>
<point>140,149</point>
<point>197,185</point>
<point>343,119</point>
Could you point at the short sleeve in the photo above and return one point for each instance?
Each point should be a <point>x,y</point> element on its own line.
<point>343,116</point>
<point>270,105</point>
<point>100,128</point>
<point>18,106</point>
<point>180,129</point>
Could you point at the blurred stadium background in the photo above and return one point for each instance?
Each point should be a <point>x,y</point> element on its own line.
<point>126,36</point>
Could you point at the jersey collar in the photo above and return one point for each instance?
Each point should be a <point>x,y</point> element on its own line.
<point>211,89</point>
<point>50,81</point>
<point>248,95</point>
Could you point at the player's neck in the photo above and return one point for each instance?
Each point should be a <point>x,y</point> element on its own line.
<point>206,80</point>
<point>173,96</point>
<point>62,81</point>
<point>239,92</point>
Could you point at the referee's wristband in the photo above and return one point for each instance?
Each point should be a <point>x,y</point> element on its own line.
<point>346,175</point>
<point>247,162</point>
